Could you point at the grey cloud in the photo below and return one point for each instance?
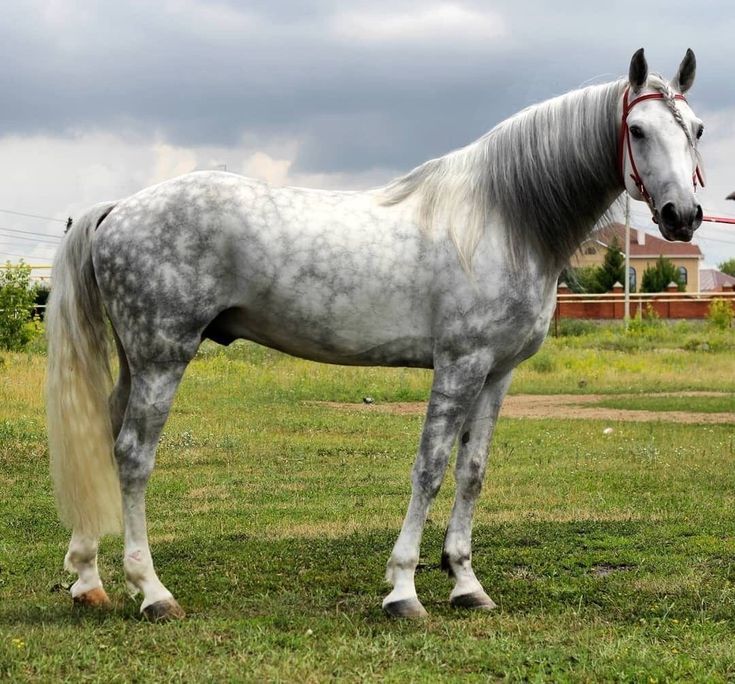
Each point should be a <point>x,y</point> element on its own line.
<point>207,75</point>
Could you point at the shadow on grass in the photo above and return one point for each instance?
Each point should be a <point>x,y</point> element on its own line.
<point>621,571</point>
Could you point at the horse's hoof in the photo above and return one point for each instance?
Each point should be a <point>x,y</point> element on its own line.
<point>477,600</point>
<point>406,608</point>
<point>163,611</point>
<point>94,598</point>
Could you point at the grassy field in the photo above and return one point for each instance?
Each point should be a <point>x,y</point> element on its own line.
<point>272,516</point>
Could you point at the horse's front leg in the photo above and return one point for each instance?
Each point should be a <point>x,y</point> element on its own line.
<point>453,392</point>
<point>472,456</point>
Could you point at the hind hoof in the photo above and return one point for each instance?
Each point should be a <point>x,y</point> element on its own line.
<point>477,600</point>
<point>406,608</point>
<point>164,611</point>
<point>94,598</point>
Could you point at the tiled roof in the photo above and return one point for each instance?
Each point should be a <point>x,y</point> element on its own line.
<point>653,246</point>
<point>710,279</point>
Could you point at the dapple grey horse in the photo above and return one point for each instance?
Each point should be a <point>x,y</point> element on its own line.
<point>452,267</point>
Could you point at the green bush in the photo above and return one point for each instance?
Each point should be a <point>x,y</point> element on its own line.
<point>657,278</point>
<point>17,297</point>
<point>543,363</point>
<point>574,327</point>
<point>645,320</point>
<point>720,314</point>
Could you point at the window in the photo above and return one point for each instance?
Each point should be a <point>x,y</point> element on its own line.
<point>631,279</point>
<point>590,250</point>
<point>683,276</point>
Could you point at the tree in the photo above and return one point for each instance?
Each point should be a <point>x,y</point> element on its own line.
<point>657,278</point>
<point>580,280</point>
<point>613,268</point>
<point>16,304</point>
<point>597,279</point>
<point>728,267</point>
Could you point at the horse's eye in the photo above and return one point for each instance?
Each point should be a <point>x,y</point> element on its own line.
<point>636,132</point>
<point>700,130</point>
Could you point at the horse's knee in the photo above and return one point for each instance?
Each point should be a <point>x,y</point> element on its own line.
<point>428,481</point>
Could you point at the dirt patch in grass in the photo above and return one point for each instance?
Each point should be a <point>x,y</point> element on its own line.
<point>562,406</point>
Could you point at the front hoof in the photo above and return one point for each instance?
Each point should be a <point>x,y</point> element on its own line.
<point>94,598</point>
<point>405,608</point>
<point>477,600</point>
<point>164,611</point>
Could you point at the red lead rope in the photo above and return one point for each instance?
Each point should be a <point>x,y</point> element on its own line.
<point>625,140</point>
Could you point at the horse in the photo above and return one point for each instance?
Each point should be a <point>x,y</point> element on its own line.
<point>451,267</point>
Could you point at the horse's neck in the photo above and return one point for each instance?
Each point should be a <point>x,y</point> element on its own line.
<point>574,172</point>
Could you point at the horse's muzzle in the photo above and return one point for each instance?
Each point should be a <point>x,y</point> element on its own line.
<point>678,223</point>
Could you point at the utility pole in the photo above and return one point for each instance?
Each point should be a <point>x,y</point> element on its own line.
<point>626,309</point>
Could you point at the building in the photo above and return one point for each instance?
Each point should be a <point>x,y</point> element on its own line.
<point>645,249</point>
<point>713,280</point>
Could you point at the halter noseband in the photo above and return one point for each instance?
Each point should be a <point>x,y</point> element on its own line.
<point>697,177</point>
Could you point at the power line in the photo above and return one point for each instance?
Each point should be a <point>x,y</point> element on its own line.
<point>23,256</point>
<point>31,239</point>
<point>30,232</point>
<point>21,213</point>
<point>709,239</point>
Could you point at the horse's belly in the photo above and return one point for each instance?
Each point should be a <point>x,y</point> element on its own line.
<point>356,345</point>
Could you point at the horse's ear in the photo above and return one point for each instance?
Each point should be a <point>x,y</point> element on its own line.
<point>685,76</point>
<point>638,72</point>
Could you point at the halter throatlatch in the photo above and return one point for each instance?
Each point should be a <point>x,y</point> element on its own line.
<point>624,141</point>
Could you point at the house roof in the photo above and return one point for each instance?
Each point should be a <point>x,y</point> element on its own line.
<point>652,246</point>
<point>710,279</point>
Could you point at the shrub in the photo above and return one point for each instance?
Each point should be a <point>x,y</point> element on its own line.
<point>657,278</point>
<point>612,270</point>
<point>720,313</point>
<point>645,320</point>
<point>41,294</point>
<point>581,280</point>
<point>16,305</point>
<point>543,363</point>
<point>575,327</point>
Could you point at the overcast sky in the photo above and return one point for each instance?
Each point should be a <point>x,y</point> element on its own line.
<point>101,98</point>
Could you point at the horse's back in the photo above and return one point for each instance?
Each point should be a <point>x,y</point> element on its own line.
<point>328,275</point>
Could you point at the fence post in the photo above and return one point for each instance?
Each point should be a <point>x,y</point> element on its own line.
<point>618,306</point>
<point>671,288</point>
<point>561,289</point>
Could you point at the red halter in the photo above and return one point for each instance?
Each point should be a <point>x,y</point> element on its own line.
<point>624,140</point>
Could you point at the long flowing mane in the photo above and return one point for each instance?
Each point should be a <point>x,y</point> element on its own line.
<point>546,174</point>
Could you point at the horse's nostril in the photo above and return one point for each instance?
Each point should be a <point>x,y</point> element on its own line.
<point>669,213</point>
<point>699,215</point>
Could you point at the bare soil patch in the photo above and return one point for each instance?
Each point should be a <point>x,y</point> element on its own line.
<point>565,406</point>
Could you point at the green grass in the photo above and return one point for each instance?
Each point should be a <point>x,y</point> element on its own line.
<point>696,404</point>
<point>271,518</point>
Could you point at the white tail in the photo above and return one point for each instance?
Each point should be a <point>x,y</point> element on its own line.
<point>78,384</point>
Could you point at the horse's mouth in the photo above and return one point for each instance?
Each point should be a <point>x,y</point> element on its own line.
<point>675,233</point>
<point>677,230</point>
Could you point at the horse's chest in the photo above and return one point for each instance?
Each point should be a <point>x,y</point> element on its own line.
<point>520,323</point>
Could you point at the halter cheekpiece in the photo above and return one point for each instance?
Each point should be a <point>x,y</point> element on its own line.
<point>697,177</point>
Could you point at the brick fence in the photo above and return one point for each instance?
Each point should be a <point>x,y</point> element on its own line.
<point>611,305</point>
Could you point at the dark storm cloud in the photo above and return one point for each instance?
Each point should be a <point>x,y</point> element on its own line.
<point>197,73</point>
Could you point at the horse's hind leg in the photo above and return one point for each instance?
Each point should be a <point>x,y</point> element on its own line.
<point>81,558</point>
<point>151,394</point>
<point>470,471</point>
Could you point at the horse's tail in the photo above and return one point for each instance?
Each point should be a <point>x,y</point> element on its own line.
<point>77,386</point>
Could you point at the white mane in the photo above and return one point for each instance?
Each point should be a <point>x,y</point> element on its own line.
<point>546,173</point>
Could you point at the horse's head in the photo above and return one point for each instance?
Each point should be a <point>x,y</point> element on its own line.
<point>658,146</point>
